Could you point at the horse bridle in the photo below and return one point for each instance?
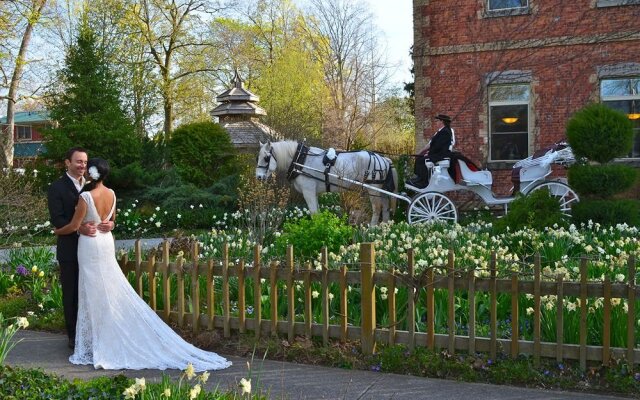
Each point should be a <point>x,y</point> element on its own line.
<point>267,160</point>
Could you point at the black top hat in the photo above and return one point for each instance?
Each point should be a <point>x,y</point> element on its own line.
<point>443,117</point>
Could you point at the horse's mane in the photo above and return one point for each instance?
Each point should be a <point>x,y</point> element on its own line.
<point>284,151</point>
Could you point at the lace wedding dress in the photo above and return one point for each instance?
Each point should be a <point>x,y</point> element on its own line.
<point>116,329</point>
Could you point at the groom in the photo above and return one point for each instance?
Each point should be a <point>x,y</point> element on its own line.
<point>62,198</point>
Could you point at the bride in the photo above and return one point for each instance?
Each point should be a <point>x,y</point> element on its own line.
<point>116,329</point>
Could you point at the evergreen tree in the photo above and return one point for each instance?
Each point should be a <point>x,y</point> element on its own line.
<point>88,111</point>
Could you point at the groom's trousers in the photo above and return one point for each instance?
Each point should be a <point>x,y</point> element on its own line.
<point>69,281</point>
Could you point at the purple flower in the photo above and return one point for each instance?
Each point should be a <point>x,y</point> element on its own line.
<point>637,376</point>
<point>21,270</point>
<point>375,368</point>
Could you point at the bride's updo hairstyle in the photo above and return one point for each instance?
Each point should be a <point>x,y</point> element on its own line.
<point>98,169</point>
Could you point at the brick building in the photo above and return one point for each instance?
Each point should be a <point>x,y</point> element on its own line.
<point>512,72</point>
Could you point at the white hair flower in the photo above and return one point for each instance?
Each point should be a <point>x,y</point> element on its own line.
<point>93,172</point>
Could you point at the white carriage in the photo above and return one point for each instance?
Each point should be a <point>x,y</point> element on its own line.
<point>431,204</point>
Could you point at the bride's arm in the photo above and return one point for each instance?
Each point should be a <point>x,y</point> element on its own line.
<point>81,210</point>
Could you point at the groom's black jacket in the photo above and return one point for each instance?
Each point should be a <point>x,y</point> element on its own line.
<point>63,197</point>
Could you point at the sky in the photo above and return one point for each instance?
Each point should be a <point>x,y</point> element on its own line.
<point>395,18</point>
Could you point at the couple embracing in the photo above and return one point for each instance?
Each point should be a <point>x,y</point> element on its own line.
<point>108,324</point>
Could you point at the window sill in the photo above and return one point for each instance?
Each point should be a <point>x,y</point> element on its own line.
<point>616,3</point>
<point>509,12</point>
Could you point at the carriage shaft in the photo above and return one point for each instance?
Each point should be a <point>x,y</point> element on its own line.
<point>362,184</point>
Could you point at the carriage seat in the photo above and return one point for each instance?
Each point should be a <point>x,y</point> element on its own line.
<point>478,177</point>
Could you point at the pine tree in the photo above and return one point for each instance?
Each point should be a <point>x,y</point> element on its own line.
<point>88,111</point>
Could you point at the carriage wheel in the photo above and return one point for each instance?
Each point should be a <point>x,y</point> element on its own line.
<point>563,192</point>
<point>432,207</point>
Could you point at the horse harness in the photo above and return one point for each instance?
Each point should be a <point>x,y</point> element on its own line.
<point>377,167</point>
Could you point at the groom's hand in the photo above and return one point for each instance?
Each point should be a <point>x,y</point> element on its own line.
<point>88,229</point>
<point>106,226</point>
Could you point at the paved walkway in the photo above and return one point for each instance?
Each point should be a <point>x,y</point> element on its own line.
<point>284,380</point>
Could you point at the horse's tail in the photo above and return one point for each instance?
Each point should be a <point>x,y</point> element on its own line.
<point>391,185</point>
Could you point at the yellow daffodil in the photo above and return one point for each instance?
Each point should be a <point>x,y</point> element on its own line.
<point>204,377</point>
<point>22,322</point>
<point>194,392</point>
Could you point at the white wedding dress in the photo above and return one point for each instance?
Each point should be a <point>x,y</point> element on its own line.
<point>116,329</point>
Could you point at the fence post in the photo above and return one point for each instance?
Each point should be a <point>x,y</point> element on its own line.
<point>583,314</point>
<point>166,283</point>
<point>451,313</point>
<point>257,290</point>
<point>606,322</point>
<point>515,316</point>
<point>493,309</point>
<point>631,301</point>
<point>226,307</point>
<point>411,299</point>
<point>537,348</point>
<point>195,289</point>
<point>290,296</point>
<point>325,295</point>
<point>138,250</point>
<point>367,269</point>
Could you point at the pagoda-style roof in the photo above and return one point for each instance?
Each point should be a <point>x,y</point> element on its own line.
<point>237,101</point>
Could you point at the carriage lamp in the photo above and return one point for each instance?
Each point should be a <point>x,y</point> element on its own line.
<point>633,116</point>
<point>510,120</point>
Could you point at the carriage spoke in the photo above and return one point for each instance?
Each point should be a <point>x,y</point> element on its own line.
<point>432,207</point>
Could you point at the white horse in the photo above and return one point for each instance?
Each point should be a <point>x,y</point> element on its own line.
<point>308,169</point>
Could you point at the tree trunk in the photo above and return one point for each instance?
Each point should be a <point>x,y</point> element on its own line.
<point>6,161</point>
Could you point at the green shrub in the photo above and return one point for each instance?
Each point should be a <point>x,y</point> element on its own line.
<point>601,180</point>
<point>600,133</point>
<point>202,152</point>
<point>537,210</point>
<point>11,307</point>
<point>607,212</point>
<point>308,236</point>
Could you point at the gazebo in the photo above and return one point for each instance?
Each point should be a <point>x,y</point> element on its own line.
<point>239,113</point>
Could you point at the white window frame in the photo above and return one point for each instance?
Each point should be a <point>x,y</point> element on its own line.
<point>494,103</point>
<point>605,99</point>
<point>27,128</point>
<point>525,7</point>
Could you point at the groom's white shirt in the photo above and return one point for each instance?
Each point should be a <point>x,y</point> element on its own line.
<point>79,183</point>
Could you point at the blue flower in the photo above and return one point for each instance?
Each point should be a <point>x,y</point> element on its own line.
<point>21,270</point>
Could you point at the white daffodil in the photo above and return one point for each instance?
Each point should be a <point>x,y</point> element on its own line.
<point>245,386</point>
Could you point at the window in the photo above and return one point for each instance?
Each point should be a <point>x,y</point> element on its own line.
<point>507,4</point>
<point>509,122</point>
<point>23,132</point>
<point>615,3</point>
<point>624,95</point>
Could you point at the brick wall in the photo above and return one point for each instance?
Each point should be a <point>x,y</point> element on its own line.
<point>560,45</point>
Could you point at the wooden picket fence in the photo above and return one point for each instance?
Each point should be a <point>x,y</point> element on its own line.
<point>367,278</point>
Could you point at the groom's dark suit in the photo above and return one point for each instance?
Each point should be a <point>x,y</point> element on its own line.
<point>63,197</point>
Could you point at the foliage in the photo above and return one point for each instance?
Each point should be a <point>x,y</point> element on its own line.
<point>8,330</point>
<point>599,133</point>
<point>536,210</point>
<point>308,236</point>
<point>607,212</point>
<point>88,109</point>
<point>261,204</point>
<point>22,383</point>
<point>23,207</point>
<point>601,181</point>
<point>202,153</point>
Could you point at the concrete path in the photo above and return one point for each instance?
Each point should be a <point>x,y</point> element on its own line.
<point>285,380</point>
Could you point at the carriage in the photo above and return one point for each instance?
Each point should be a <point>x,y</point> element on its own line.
<point>313,170</point>
<point>433,203</point>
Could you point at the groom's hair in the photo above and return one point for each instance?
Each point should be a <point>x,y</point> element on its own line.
<point>72,150</point>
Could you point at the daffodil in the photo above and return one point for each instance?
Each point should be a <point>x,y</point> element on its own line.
<point>189,372</point>
<point>245,386</point>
